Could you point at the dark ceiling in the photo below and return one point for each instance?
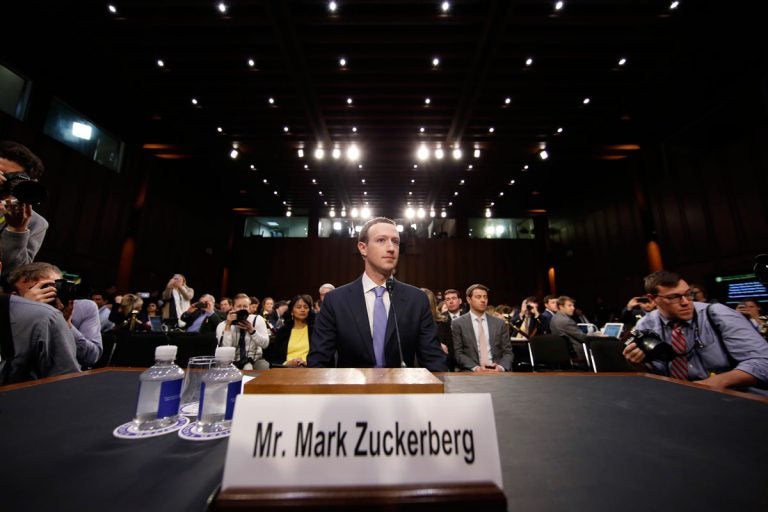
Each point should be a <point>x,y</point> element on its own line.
<point>679,62</point>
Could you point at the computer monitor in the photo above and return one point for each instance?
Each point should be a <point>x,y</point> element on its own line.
<point>613,329</point>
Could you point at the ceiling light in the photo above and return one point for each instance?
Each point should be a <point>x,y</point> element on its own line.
<point>332,6</point>
<point>456,153</point>
<point>674,5</point>
<point>82,131</point>
<point>450,203</point>
<point>491,129</point>
<point>528,61</point>
<point>525,167</point>
<point>336,225</point>
<point>410,193</point>
<point>319,153</point>
<point>413,181</point>
<point>336,153</point>
<point>354,213</point>
<point>442,214</point>
<point>409,213</point>
<point>194,101</point>
<point>251,62</point>
<point>306,166</point>
<point>559,5</point>
<point>253,167</point>
<point>445,6</point>
<point>353,153</point>
<point>470,167</point>
<point>285,129</point>
<point>219,129</point>
<point>421,213</point>
<point>622,61</point>
<point>427,101</point>
<point>586,101</point>
<point>359,166</point>
<point>275,192</point>
<point>476,153</point>
<point>365,213</point>
<point>543,154</point>
<point>301,154</point>
<point>362,181</point>
<point>461,182</point>
<point>560,130</point>
<point>354,129</point>
<point>271,101</point>
<point>501,194</point>
<point>488,213</point>
<point>343,212</point>
<point>288,213</point>
<point>343,62</point>
<point>455,194</point>
<point>314,181</point>
<point>160,63</point>
<point>222,7</point>
<point>265,182</point>
<point>415,166</point>
<point>349,101</point>
<point>432,213</point>
<point>365,193</point>
<point>422,153</point>
<point>507,100</point>
<point>112,9</point>
<point>421,130</point>
<point>320,192</point>
<point>511,182</point>
<point>435,62</point>
<point>233,154</point>
<point>439,153</point>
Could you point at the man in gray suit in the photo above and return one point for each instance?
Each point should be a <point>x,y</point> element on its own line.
<point>481,342</point>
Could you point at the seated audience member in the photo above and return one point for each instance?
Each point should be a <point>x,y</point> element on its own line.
<point>526,323</point>
<point>267,307</point>
<point>22,229</point>
<point>443,323</point>
<point>35,341</point>
<point>128,315</point>
<point>481,341</point>
<point>225,305</point>
<point>550,310</point>
<point>699,293</point>
<point>152,310</point>
<point>714,345</point>
<point>563,325</point>
<point>176,297</point>
<point>636,308</point>
<point>105,308</point>
<point>291,344</point>
<point>36,281</point>
<point>248,334</point>
<point>202,316</point>
<point>254,306</point>
<point>277,318</point>
<point>322,291</point>
<point>452,303</point>
<point>751,310</point>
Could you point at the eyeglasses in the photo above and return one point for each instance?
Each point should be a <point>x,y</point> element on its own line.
<point>674,298</point>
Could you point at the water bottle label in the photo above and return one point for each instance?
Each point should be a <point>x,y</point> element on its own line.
<point>170,396</point>
<point>233,389</point>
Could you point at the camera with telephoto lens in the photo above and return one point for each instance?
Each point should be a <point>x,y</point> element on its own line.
<point>651,344</point>
<point>66,290</point>
<point>20,188</point>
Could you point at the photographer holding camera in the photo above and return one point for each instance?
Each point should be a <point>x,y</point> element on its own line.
<point>636,308</point>
<point>712,344</point>
<point>22,230</point>
<point>202,315</point>
<point>247,333</point>
<point>43,282</point>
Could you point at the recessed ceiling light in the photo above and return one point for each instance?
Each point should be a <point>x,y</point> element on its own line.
<point>415,166</point>
<point>476,153</point>
<point>543,154</point>
<point>413,181</point>
<point>422,153</point>
<point>445,6</point>
<point>501,194</point>
<point>461,182</point>
<point>314,181</point>
<point>365,192</point>
<point>286,129</point>
<point>194,101</point>
<point>219,129</point>
<point>265,182</point>
<point>222,7</point>
<point>336,153</point>
<point>586,101</point>
<point>332,6</point>
<point>410,193</point>
<point>442,214</point>
<point>301,153</point>
<point>306,167</point>
<point>560,130</point>
<point>491,129</point>
<point>456,153</point>
<point>320,192</point>
<point>525,167</point>
<point>435,62</point>
<point>160,63</point>
<point>511,182</point>
<point>507,100</point>
<point>359,166</point>
<point>354,129</point>
<point>271,101</point>
<point>349,101</point>
<point>559,5</point>
<point>470,167</point>
<point>319,153</point>
<point>455,194</point>
<point>275,192</point>
<point>528,61</point>
<point>421,130</point>
<point>112,9</point>
<point>622,61</point>
<point>251,62</point>
<point>674,5</point>
<point>427,101</point>
<point>362,181</point>
<point>253,167</point>
<point>343,62</point>
<point>439,153</point>
<point>353,153</point>
<point>450,203</point>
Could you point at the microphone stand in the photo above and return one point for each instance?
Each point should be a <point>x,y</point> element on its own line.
<point>390,285</point>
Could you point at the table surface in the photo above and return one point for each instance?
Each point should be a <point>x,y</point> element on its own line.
<point>567,442</point>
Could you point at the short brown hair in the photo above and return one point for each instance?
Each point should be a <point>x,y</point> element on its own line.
<point>451,290</point>
<point>32,271</point>
<point>475,287</point>
<point>363,235</point>
<point>561,300</point>
<point>241,296</point>
<point>661,278</point>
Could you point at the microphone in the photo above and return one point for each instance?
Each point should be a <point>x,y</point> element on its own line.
<point>390,285</point>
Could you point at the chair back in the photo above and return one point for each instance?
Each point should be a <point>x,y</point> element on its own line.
<point>549,351</point>
<point>607,355</point>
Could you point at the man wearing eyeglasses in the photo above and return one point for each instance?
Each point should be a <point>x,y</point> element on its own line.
<point>714,345</point>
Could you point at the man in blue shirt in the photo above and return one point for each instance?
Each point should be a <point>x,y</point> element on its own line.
<point>714,345</point>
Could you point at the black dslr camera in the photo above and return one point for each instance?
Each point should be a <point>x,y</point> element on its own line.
<point>651,345</point>
<point>242,315</point>
<point>66,290</point>
<point>22,189</point>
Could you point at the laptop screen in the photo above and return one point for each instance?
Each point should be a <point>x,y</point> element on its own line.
<point>613,329</point>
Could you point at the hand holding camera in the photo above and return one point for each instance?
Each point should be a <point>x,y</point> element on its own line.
<point>42,291</point>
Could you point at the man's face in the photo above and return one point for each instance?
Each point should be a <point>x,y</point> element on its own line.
<point>98,299</point>
<point>452,302</point>
<point>750,308</point>
<point>22,286</point>
<point>241,304</point>
<point>551,305</point>
<point>382,250</point>
<point>478,301</point>
<point>647,306</point>
<point>225,306</point>
<point>567,308</point>
<point>673,302</point>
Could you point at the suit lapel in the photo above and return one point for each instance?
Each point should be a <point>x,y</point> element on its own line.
<point>359,315</point>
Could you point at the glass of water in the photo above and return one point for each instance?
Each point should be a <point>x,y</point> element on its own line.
<point>190,391</point>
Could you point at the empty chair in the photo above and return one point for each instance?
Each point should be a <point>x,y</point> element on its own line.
<point>549,352</point>
<point>606,355</point>
<point>136,349</point>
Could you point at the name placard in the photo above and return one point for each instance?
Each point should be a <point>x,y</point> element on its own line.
<point>342,440</point>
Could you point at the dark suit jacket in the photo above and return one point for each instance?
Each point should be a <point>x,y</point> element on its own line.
<point>342,329</point>
<point>277,351</point>
<point>465,342</point>
<point>208,325</point>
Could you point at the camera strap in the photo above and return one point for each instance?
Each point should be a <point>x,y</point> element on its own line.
<point>7,351</point>
<point>715,327</point>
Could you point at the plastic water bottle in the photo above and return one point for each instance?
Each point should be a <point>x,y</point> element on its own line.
<point>159,391</point>
<point>218,391</point>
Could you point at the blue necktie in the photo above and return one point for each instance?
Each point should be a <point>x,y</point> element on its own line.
<point>379,326</point>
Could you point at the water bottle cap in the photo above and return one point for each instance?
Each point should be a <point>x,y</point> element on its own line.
<point>166,352</point>
<point>225,354</point>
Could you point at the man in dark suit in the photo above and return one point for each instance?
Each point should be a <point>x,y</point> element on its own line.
<point>356,323</point>
<point>480,341</point>
<point>202,316</point>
